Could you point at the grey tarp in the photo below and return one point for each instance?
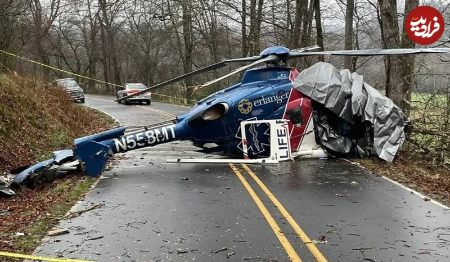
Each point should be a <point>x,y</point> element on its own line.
<point>346,95</point>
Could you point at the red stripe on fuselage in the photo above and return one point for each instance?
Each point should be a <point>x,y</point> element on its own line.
<point>297,99</point>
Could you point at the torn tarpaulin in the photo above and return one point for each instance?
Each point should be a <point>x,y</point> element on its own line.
<point>361,110</point>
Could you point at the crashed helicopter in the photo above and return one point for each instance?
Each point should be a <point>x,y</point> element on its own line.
<point>275,113</point>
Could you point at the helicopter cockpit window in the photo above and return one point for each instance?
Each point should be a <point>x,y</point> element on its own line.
<point>262,75</point>
<point>296,116</point>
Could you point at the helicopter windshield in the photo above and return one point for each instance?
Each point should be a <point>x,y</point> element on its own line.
<point>265,74</point>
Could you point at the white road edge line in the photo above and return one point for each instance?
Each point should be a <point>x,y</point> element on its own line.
<point>416,193</point>
<point>115,119</point>
<point>400,185</point>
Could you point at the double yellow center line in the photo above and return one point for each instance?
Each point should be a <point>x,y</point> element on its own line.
<point>276,229</point>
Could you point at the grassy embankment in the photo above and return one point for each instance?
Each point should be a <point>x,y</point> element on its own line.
<point>36,120</point>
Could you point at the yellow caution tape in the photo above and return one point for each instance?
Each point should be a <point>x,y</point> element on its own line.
<point>8,254</point>
<point>57,69</point>
<point>174,97</point>
<point>81,76</point>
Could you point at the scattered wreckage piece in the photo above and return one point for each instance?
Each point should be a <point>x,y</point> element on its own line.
<point>62,163</point>
<point>5,181</point>
<point>89,155</point>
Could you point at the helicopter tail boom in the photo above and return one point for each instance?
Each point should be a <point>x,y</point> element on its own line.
<point>93,151</point>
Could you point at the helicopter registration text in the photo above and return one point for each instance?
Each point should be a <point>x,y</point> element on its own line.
<point>144,138</point>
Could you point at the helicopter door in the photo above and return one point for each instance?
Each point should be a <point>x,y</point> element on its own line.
<point>298,111</point>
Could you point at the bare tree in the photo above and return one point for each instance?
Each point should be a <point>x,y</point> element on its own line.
<point>319,30</point>
<point>11,13</point>
<point>207,26</point>
<point>391,39</point>
<point>188,43</point>
<point>307,25</point>
<point>407,61</point>
<point>151,41</point>
<point>92,44</point>
<point>252,45</point>
<point>300,9</point>
<point>244,28</point>
<point>145,41</point>
<point>399,69</point>
<point>348,43</point>
<point>106,16</point>
<point>43,19</point>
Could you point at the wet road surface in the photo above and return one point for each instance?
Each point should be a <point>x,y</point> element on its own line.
<point>305,210</point>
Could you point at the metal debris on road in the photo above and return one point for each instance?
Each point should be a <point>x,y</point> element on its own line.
<point>57,232</point>
<point>220,250</point>
<point>94,238</point>
<point>79,212</point>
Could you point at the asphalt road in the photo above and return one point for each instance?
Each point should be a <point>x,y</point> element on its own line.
<point>304,210</point>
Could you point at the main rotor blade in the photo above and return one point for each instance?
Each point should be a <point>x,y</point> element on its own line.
<point>373,52</point>
<point>404,51</point>
<point>176,79</point>
<point>303,49</point>
<point>270,58</point>
<point>243,59</point>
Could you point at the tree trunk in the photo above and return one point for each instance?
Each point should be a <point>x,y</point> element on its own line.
<point>389,24</point>
<point>257,34</point>
<point>244,29</point>
<point>289,24</point>
<point>92,48</point>
<point>408,61</point>
<point>348,43</point>
<point>42,24</point>
<point>255,26</point>
<point>43,54</point>
<point>299,11</point>
<point>188,44</point>
<point>307,22</point>
<point>306,33</point>
<point>319,30</point>
<point>109,45</point>
<point>105,57</point>
<point>10,16</point>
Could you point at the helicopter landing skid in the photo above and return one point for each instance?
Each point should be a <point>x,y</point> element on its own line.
<point>219,161</point>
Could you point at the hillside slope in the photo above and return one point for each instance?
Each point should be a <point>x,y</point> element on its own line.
<point>36,119</point>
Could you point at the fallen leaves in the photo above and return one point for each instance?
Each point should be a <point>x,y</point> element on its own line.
<point>33,124</point>
<point>40,121</point>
